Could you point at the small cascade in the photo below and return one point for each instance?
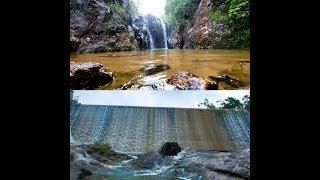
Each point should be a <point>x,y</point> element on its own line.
<point>164,34</point>
<point>141,129</point>
<point>150,36</point>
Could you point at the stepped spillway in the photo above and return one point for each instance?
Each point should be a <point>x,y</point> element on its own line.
<point>140,129</point>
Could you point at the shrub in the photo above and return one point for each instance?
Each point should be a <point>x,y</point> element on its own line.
<point>102,148</point>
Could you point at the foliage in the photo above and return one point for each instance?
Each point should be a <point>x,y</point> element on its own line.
<point>229,103</point>
<point>235,14</point>
<point>207,104</point>
<point>102,148</point>
<point>179,13</point>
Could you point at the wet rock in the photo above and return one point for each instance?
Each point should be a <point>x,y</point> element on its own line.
<point>219,176</point>
<point>226,81</point>
<point>148,160</point>
<point>77,172</point>
<point>82,164</point>
<point>188,81</point>
<point>140,32</point>
<point>211,164</point>
<point>170,149</point>
<point>154,68</point>
<point>88,75</point>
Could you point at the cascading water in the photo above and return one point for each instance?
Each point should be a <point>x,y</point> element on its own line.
<point>164,34</point>
<point>150,36</point>
<point>142,129</point>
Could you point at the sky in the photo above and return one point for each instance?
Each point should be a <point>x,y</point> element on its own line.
<point>182,99</point>
<point>155,7</point>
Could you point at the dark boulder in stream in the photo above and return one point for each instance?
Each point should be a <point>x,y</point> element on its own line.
<point>88,75</point>
<point>188,81</point>
<point>170,149</point>
<point>227,82</point>
<point>154,68</point>
<point>148,160</point>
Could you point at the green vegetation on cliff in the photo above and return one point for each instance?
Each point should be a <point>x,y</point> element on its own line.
<point>235,15</point>
<point>179,13</point>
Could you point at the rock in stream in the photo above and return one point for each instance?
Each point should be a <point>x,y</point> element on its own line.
<point>88,75</point>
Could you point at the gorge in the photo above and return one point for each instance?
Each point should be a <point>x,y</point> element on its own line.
<point>117,25</point>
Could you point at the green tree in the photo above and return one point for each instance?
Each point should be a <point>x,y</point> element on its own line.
<point>231,103</point>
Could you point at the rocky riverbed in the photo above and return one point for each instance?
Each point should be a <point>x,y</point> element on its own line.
<point>187,164</point>
<point>131,73</point>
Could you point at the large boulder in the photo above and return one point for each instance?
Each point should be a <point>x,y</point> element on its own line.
<point>148,160</point>
<point>212,164</point>
<point>188,81</point>
<point>88,75</point>
<point>170,149</point>
<point>77,172</point>
<point>227,82</point>
<point>154,68</point>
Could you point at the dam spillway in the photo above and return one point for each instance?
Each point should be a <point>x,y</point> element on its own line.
<point>132,129</point>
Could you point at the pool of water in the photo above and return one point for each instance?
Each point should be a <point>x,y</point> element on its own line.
<point>203,63</point>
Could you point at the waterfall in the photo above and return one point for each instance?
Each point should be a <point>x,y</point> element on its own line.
<point>150,37</point>
<point>131,129</point>
<point>164,34</point>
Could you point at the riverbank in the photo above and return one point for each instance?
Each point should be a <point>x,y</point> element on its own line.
<point>187,164</point>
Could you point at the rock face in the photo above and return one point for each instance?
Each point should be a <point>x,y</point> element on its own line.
<point>188,81</point>
<point>140,32</point>
<point>99,25</point>
<point>202,33</point>
<point>88,75</point>
<point>170,149</point>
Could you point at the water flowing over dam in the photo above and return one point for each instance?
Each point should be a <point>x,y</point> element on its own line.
<point>140,129</point>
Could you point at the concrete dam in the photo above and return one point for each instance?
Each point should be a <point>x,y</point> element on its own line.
<point>131,129</point>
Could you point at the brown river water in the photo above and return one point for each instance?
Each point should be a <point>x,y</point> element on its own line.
<point>202,63</point>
